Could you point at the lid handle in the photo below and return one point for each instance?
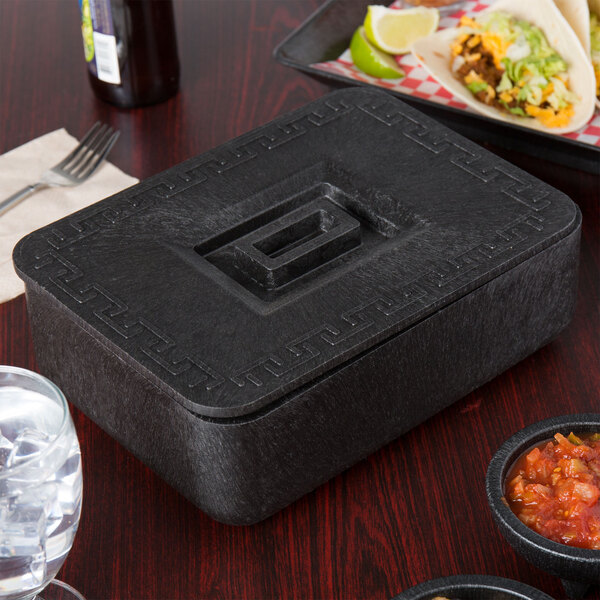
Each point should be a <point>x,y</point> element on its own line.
<point>283,250</point>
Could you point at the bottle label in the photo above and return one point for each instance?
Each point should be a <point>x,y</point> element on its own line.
<point>99,41</point>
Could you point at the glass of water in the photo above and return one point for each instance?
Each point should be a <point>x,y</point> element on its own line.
<point>40,486</point>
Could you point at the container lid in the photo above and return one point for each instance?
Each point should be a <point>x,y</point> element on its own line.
<point>238,276</point>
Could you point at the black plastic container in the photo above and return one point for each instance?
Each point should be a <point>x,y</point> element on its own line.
<point>473,587</point>
<point>578,568</point>
<point>257,319</point>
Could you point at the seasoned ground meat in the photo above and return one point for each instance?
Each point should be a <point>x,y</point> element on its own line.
<point>485,68</point>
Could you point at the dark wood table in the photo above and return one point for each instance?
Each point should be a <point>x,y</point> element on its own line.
<point>404,515</point>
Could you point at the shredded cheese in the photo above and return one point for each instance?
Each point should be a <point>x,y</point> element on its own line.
<point>473,57</point>
<point>496,46</point>
<point>490,94</point>
<point>474,41</point>
<point>547,91</point>
<point>469,22</point>
<point>548,117</point>
<point>473,77</point>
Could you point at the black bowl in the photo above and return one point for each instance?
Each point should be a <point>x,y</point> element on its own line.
<point>577,567</point>
<point>473,587</point>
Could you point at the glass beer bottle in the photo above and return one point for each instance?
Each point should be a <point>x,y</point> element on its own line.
<point>131,50</point>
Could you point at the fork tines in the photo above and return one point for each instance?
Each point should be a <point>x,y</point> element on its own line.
<point>90,152</point>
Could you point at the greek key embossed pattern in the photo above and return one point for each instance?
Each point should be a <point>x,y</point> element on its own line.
<point>113,312</point>
<point>151,345</point>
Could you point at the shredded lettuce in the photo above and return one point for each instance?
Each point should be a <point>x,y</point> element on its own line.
<point>530,63</point>
<point>540,48</point>
<point>500,23</point>
<point>477,86</point>
<point>561,96</point>
<point>595,36</point>
<point>553,65</point>
<point>517,111</point>
<point>505,83</point>
<point>534,95</point>
<point>524,93</point>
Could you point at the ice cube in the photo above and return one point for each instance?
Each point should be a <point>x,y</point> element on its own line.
<point>6,447</point>
<point>52,506</point>
<point>23,526</point>
<point>28,445</point>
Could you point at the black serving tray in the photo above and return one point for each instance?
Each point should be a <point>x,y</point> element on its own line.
<point>326,34</point>
<point>256,319</point>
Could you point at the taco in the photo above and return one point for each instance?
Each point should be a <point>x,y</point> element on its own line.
<point>584,18</point>
<point>594,42</point>
<point>518,62</point>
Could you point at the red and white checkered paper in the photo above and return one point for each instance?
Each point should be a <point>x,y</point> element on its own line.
<point>419,83</point>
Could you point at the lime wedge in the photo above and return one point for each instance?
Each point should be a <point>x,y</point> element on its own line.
<point>394,30</point>
<point>370,60</point>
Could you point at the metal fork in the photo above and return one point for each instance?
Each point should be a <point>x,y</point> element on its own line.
<point>75,168</point>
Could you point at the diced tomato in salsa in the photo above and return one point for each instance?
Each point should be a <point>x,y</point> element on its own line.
<point>555,490</point>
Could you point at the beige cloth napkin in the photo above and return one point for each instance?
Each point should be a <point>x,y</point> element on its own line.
<point>24,165</point>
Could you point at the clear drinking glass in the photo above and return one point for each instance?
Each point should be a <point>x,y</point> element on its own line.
<point>40,486</point>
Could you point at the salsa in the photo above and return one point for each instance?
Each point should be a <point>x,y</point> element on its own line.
<point>555,490</point>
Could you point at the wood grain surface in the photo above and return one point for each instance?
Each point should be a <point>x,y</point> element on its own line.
<point>416,509</point>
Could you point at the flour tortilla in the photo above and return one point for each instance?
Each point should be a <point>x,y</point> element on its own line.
<point>577,14</point>
<point>434,53</point>
<point>594,7</point>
